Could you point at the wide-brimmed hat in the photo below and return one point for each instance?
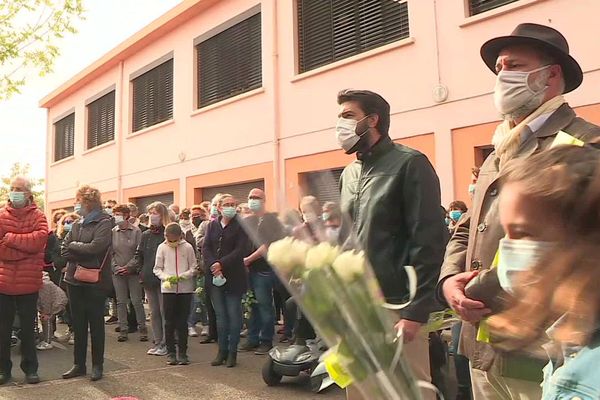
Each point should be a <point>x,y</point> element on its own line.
<point>540,36</point>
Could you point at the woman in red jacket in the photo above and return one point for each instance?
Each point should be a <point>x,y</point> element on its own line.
<point>23,235</point>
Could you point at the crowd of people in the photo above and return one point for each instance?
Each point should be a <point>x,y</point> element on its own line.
<point>518,267</point>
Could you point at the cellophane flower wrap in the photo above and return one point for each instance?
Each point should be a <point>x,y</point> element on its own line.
<point>339,293</point>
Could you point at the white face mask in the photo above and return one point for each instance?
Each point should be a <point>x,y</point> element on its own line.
<point>517,256</point>
<point>514,96</point>
<point>345,132</point>
<point>119,219</point>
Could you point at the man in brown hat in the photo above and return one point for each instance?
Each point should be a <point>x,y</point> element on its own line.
<point>534,69</point>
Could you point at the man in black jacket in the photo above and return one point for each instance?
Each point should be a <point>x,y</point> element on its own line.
<point>392,194</point>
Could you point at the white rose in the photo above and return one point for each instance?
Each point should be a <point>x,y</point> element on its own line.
<point>167,285</point>
<point>321,255</point>
<point>349,265</point>
<point>287,254</point>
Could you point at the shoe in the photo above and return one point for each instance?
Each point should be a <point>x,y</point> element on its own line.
<point>152,351</point>
<point>204,331</point>
<point>192,332</point>
<point>4,378</point>
<point>32,378</point>
<point>248,347</point>
<point>161,351</point>
<point>171,359</point>
<point>112,320</point>
<point>231,360</point>
<point>208,340</point>
<point>122,337</point>
<point>263,349</point>
<point>71,340</point>
<point>183,360</point>
<point>44,346</point>
<point>74,372</point>
<point>220,360</point>
<point>97,372</point>
<point>118,329</point>
<point>143,334</point>
<point>244,333</point>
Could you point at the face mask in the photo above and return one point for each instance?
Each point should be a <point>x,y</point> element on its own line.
<point>108,210</point>
<point>77,208</point>
<point>255,204</point>
<point>214,211</point>
<point>513,91</point>
<point>68,227</point>
<point>455,215</point>
<point>447,221</point>
<point>325,216</point>
<point>229,212</point>
<point>345,132</point>
<point>17,199</point>
<point>155,220</point>
<point>197,221</point>
<point>517,256</point>
<point>119,219</point>
<point>219,281</point>
<point>309,217</point>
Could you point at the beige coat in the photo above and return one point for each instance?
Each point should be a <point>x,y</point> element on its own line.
<point>475,241</point>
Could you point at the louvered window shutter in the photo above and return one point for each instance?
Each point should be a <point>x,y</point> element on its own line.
<point>153,96</point>
<point>480,6</point>
<point>64,137</point>
<point>101,120</point>
<point>331,30</point>
<point>230,63</point>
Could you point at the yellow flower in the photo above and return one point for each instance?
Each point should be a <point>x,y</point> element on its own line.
<point>321,255</point>
<point>350,265</point>
<point>287,254</point>
<point>167,285</point>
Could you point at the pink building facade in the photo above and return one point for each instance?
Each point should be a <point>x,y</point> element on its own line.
<point>222,95</point>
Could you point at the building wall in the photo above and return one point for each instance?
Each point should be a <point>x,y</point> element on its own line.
<point>285,129</point>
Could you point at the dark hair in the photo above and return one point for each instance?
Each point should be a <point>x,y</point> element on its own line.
<point>173,229</point>
<point>458,205</point>
<point>144,217</point>
<point>185,213</point>
<point>370,103</point>
<point>123,209</point>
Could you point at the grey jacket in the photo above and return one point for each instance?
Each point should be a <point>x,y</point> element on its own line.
<point>124,244</point>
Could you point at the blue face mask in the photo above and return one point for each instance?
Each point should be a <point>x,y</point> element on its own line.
<point>255,204</point>
<point>68,227</point>
<point>17,199</point>
<point>219,281</point>
<point>447,221</point>
<point>214,211</point>
<point>325,216</point>
<point>229,212</point>
<point>77,208</point>
<point>455,215</point>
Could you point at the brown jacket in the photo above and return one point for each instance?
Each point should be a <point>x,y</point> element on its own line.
<point>475,240</point>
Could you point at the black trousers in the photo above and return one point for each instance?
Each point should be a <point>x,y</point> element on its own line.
<point>25,306</point>
<point>212,317</point>
<point>87,311</point>
<point>177,311</point>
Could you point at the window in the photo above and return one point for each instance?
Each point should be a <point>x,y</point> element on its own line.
<point>480,6</point>
<point>331,30</point>
<point>153,96</point>
<point>64,137</point>
<point>101,120</point>
<point>230,62</point>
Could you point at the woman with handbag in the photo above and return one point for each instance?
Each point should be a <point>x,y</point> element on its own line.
<point>86,248</point>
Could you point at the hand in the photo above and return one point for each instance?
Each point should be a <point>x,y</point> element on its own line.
<point>216,269</point>
<point>454,292</point>
<point>410,329</point>
<point>247,262</point>
<point>122,271</point>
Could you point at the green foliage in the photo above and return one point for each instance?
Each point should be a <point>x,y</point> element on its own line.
<point>19,169</point>
<point>29,30</point>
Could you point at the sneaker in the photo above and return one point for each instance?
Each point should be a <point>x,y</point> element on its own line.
<point>44,346</point>
<point>263,349</point>
<point>152,351</point>
<point>184,360</point>
<point>171,359</point>
<point>204,331</point>
<point>248,347</point>
<point>192,332</point>
<point>71,340</point>
<point>161,351</point>
<point>112,320</point>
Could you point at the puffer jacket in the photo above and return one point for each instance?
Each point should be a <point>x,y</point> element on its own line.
<point>392,194</point>
<point>145,257</point>
<point>179,262</point>
<point>23,237</point>
<point>87,245</point>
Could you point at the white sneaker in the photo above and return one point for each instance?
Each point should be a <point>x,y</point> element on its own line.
<point>161,351</point>
<point>44,346</point>
<point>204,331</point>
<point>71,340</point>
<point>152,351</point>
<point>192,332</point>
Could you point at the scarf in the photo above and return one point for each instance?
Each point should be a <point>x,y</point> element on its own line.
<point>507,139</point>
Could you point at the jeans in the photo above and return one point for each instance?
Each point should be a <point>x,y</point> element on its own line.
<point>157,320</point>
<point>87,311</point>
<point>289,316</point>
<point>126,287</point>
<point>194,316</point>
<point>177,310</point>
<point>228,309</point>
<point>261,327</point>
<point>25,306</point>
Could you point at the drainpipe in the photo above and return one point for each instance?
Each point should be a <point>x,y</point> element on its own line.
<point>120,135</point>
<point>277,162</point>
<point>49,158</point>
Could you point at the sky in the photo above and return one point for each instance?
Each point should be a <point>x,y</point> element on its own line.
<point>23,132</point>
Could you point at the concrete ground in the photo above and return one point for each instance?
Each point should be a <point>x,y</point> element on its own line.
<point>129,372</point>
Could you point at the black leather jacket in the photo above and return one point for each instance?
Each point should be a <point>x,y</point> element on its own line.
<point>392,195</point>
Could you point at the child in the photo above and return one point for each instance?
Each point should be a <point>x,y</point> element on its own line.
<point>175,267</point>
<point>51,302</point>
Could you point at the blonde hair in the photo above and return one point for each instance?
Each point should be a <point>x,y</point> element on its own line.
<point>311,203</point>
<point>89,196</point>
<point>163,211</point>
<point>224,196</point>
<point>60,228</point>
<point>55,214</point>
